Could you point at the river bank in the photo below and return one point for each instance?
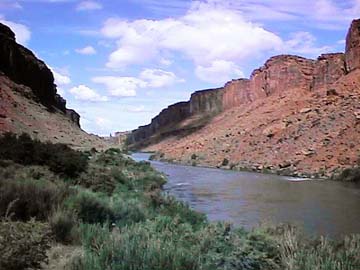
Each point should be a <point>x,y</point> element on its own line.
<point>286,170</point>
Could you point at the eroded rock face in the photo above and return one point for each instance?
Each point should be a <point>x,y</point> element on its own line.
<point>21,66</point>
<point>236,93</point>
<point>206,101</point>
<point>352,50</point>
<point>171,115</point>
<point>73,116</point>
<point>281,74</point>
<point>328,69</point>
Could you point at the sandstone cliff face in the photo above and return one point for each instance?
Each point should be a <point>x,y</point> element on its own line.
<point>236,93</point>
<point>170,116</point>
<point>352,50</point>
<point>328,69</point>
<point>281,74</point>
<point>206,101</point>
<point>21,66</point>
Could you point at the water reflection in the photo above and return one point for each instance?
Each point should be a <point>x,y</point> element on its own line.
<point>247,199</point>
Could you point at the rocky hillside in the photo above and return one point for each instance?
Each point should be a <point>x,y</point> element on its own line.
<point>29,101</point>
<point>292,116</point>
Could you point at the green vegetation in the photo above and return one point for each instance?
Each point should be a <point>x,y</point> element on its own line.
<point>114,208</point>
<point>60,158</point>
<point>349,175</point>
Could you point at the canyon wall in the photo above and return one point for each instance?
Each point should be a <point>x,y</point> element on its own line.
<point>352,49</point>
<point>281,75</point>
<point>21,66</point>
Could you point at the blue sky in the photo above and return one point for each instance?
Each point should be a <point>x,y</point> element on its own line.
<point>118,63</point>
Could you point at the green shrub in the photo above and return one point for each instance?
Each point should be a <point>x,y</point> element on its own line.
<point>349,175</point>
<point>23,245</point>
<point>60,158</point>
<point>129,211</point>
<point>180,210</point>
<point>166,243</point>
<point>225,162</point>
<point>30,198</point>
<point>63,224</point>
<point>151,245</point>
<point>298,253</point>
<point>90,207</point>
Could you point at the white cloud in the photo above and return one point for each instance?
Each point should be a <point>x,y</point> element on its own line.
<point>157,78</point>
<point>120,86</point>
<point>127,86</point>
<point>219,72</point>
<point>21,31</point>
<point>305,43</point>
<point>329,14</point>
<point>60,91</point>
<point>88,50</point>
<point>102,122</point>
<point>165,62</point>
<point>204,34</point>
<point>84,93</point>
<point>60,78</point>
<point>88,5</point>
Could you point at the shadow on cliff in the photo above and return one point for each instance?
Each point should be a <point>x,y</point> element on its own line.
<point>177,130</point>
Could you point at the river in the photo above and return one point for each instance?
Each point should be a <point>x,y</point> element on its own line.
<point>247,199</point>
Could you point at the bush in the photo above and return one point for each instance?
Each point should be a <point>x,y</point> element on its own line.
<point>23,245</point>
<point>180,210</point>
<point>60,158</point>
<point>225,162</point>
<point>164,243</point>
<point>349,175</point>
<point>62,225</point>
<point>90,207</point>
<point>30,198</point>
<point>322,254</point>
<point>129,211</point>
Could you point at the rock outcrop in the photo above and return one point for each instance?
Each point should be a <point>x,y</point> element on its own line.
<point>328,69</point>
<point>294,116</point>
<point>236,93</point>
<point>23,67</point>
<point>203,103</point>
<point>206,101</point>
<point>352,50</point>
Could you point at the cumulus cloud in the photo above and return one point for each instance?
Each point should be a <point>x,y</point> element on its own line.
<point>60,78</point>
<point>88,5</point>
<point>305,43</point>
<point>127,86</point>
<point>84,93</point>
<point>88,50</point>
<point>219,72</point>
<point>120,86</point>
<point>102,122</point>
<point>205,35</point>
<point>157,78</point>
<point>22,32</point>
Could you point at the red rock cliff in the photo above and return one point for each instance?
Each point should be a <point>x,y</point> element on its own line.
<point>352,51</point>
<point>21,66</point>
<point>283,75</point>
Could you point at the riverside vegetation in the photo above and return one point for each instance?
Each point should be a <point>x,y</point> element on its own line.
<point>113,209</point>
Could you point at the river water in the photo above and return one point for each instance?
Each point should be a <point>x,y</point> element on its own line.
<point>247,199</point>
